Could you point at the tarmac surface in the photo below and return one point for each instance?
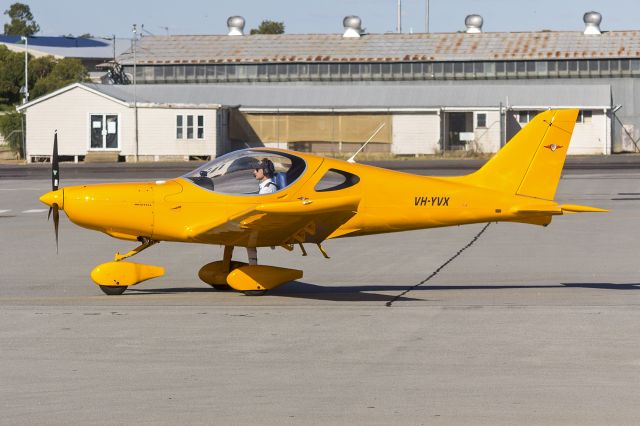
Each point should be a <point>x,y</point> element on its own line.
<point>526,325</point>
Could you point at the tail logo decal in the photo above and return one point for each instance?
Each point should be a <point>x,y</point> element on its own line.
<point>553,147</point>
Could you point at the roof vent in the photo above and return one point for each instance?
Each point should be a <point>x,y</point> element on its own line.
<point>592,23</point>
<point>473,24</point>
<point>236,25</point>
<point>352,26</point>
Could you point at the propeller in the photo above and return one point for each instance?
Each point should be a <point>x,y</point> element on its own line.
<point>55,180</point>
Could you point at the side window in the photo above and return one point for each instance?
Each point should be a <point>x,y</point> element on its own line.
<point>335,180</point>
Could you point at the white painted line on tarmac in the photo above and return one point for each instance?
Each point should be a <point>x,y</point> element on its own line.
<point>35,211</point>
<point>4,211</point>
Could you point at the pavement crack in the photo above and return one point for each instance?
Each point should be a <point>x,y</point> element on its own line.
<point>441,267</point>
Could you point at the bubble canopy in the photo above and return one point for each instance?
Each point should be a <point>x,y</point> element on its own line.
<point>233,173</point>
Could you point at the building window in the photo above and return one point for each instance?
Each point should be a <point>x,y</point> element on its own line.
<point>481,120</point>
<point>189,125</point>
<point>584,116</point>
<point>200,127</point>
<point>525,116</point>
<point>179,129</point>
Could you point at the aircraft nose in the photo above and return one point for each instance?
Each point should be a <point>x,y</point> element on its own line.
<point>54,197</point>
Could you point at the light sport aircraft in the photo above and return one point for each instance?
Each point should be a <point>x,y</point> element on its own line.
<point>317,199</point>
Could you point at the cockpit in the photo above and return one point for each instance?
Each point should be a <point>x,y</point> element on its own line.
<point>233,173</point>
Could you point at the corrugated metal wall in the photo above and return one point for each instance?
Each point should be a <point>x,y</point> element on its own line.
<point>416,134</point>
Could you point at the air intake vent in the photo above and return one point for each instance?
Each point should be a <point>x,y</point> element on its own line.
<point>352,26</point>
<point>592,23</point>
<point>473,24</point>
<point>236,25</point>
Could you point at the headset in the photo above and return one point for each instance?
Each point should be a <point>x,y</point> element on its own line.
<point>267,167</point>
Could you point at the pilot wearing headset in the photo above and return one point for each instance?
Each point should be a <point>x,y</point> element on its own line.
<point>264,172</point>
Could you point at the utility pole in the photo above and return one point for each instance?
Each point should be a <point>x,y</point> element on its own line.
<point>399,23</point>
<point>135,95</point>
<point>426,17</point>
<point>26,69</point>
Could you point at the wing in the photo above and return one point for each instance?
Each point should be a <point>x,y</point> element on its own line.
<point>281,223</point>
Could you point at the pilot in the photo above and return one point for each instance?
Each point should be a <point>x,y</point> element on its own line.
<point>264,172</point>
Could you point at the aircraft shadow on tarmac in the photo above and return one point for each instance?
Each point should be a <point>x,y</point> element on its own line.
<point>370,293</point>
<point>302,290</point>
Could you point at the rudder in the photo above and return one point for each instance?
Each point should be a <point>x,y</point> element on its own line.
<point>531,163</point>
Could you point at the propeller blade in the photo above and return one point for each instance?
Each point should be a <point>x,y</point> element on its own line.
<point>56,221</point>
<point>55,168</point>
<point>55,183</point>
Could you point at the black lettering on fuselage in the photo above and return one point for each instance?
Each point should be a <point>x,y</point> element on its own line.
<point>421,201</point>
<point>431,201</point>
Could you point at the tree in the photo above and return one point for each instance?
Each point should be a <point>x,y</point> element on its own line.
<point>22,23</point>
<point>11,75</point>
<point>46,74</point>
<point>65,71</point>
<point>269,27</point>
<point>11,129</point>
<point>40,68</point>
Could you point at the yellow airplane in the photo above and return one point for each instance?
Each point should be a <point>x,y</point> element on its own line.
<point>313,199</point>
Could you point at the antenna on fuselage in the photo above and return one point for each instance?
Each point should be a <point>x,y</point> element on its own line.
<point>353,157</point>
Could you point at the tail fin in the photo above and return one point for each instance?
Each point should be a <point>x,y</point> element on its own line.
<point>531,163</point>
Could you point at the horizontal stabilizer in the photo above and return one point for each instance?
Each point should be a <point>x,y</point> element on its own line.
<point>574,208</point>
<point>532,210</point>
<point>556,210</point>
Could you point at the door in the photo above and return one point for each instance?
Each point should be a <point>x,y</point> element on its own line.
<point>104,131</point>
<point>457,122</point>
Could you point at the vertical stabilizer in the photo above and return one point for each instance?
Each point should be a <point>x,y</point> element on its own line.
<point>531,163</point>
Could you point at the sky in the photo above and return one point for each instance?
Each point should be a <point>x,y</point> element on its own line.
<point>103,19</point>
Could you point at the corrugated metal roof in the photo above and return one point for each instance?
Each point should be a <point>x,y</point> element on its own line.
<point>363,96</point>
<point>392,47</point>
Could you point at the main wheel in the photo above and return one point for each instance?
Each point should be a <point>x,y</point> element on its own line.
<point>113,290</point>
<point>254,292</point>
<point>221,287</point>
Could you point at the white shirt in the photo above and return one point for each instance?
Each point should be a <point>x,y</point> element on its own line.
<point>267,186</point>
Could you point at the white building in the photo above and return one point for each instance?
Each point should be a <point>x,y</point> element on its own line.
<point>90,121</point>
<point>176,121</point>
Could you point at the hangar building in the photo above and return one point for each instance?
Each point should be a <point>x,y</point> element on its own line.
<point>419,93</point>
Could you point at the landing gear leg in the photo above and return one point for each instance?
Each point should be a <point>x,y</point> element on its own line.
<point>114,277</point>
<point>215,273</point>
<point>226,265</point>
